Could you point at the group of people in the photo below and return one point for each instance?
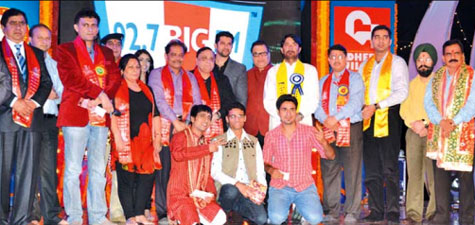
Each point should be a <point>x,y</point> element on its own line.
<point>206,138</point>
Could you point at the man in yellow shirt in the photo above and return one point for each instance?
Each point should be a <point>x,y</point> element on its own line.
<point>415,117</point>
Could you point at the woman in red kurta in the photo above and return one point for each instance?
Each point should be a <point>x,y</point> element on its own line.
<point>136,152</point>
<point>190,172</point>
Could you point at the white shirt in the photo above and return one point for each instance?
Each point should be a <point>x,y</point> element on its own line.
<point>308,101</point>
<point>399,81</point>
<point>51,106</point>
<point>241,173</point>
<point>22,50</point>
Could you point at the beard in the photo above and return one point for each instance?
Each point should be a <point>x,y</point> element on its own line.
<point>426,72</point>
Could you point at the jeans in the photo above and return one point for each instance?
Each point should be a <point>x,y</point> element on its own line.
<point>231,199</point>
<point>307,204</point>
<point>76,140</point>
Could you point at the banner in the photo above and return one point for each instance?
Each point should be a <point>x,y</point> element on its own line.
<point>151,25</point>
<point>30,8</point>
<point>351,23</point>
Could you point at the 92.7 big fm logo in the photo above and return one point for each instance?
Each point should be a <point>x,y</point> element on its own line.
<point>151,25</point>
<point>352,28</point>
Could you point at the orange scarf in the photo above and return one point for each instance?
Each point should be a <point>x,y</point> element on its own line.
<point>34,78</point>
<point>343,132</point>
<point>94,72</point>
<point>213,101</point>
<point>169,93</point>
<point>121,101</point>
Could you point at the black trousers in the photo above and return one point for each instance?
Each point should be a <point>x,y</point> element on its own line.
<point>443,196</point>
<point>19,155</point>
<point>134,191</point>
<point>161,182</point>
<point>48,205</point>
<point>231,199</point>
<point>380,157</point>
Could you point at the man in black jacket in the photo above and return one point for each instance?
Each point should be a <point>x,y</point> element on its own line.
<point>21,117</point>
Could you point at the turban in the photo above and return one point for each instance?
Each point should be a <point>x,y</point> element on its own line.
<point>426,47</point>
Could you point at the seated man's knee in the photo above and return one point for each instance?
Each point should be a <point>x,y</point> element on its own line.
<point>314,218</point>
<point>277,218</point>
<point>228,192</point>
<point>261,218</point>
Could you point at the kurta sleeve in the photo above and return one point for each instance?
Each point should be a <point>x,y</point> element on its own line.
<point>180,152</point>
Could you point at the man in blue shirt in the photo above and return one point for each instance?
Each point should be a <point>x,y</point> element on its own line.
<point>450,105</point>
<point>339,110</point>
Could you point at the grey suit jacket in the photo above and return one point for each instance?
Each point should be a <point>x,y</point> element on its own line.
<point>237,75</point>
<point>5,82</point>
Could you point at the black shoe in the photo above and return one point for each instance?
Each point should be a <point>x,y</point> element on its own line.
<point>393,217</point>
<point>373,217</point>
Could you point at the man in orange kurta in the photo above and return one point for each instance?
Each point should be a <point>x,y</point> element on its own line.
<point>191,192</point>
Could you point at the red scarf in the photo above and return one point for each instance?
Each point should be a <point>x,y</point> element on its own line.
<point>169,93</point>
<point>343,132</point>
<point>213,101</point>
<point>95,72</point>
<point>121,101</point>
<point>34,78</point>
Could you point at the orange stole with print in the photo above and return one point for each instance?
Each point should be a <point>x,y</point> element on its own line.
<point>213,101</point>
<point>95,72</point>
<point>169,93</point>
<point>145,138</point>
<point>343,132</point>
<point>34,78</point>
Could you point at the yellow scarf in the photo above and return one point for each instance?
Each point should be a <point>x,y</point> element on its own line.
<point>295,79</point>
<point>384,90</point>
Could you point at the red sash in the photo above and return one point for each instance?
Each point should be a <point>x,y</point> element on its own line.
<point>213,101</point>
<point>169,93</point>
<point>122,104</point>
<point>95,72</point>
<point>343,132</point>
<point>34,78</point>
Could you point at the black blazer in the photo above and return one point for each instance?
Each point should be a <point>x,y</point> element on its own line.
<point>6,120</point>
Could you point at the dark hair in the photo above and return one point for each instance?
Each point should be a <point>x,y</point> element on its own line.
<point>259,42</point>
<point>235,105</point>
<point>175,42</point>
<point>124,60</point>
<point>223,34</point>
<point>202,50</point>
<point>294,37</point>
<point>337,47</point>
<point>143,51</point>
<point>200,108</point>
<point>452,42</point>
<point>381,27</point>
<point>86,13</point>
<point>286,98</point>
<point>32,29</point>
<point>11,12</point>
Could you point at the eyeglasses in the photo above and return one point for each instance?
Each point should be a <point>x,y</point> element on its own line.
<point>206,59</point>
<point>257,54</point>
<point>236,116</point>
<point>426,60</point>
<point>17,23</point>
<point>334,57</point>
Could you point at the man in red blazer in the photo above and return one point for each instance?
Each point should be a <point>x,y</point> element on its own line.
<point>257,123</point>
<point>90,77</point>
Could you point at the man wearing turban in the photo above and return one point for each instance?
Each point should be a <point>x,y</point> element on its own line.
<point>412,111</point>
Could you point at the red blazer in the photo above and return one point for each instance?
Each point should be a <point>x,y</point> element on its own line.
<point>257,118</point>
<point>77,86</point>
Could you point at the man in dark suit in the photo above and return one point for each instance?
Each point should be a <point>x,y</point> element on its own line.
<point>90,77</point>
<point>224,65</point>
<point>21,117</point>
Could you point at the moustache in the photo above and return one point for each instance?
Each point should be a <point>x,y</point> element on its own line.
<point>423,67</point>
<point>453,60</point>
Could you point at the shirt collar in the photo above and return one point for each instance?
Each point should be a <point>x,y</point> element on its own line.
<point>12,45</point>
<point>230,135</point>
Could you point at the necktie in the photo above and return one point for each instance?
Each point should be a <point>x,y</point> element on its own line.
<point>21,61</point>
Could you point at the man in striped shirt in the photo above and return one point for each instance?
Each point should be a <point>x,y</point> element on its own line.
<point>287,158</point>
